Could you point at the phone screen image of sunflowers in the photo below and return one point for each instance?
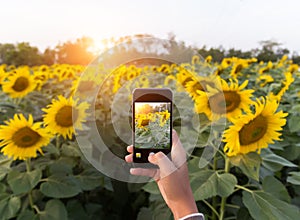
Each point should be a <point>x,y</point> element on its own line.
<point>152,125</point>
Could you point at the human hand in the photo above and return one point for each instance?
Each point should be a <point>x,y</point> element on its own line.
<point>171,177</point>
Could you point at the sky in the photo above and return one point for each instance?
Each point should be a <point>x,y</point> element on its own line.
<point>239,24</point>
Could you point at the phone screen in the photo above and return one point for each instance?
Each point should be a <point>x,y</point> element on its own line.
<point>152,125</point>
<point>152,122</point>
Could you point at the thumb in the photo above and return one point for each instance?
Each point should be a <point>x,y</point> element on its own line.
<point>165,165</point>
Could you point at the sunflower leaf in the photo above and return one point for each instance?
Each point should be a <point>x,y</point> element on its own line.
<point>274,162</point>
<point>248,163</point>
<point>294,178</point>
<point>60,186</point>
<point>23,182</point>
<point>54,209</point>
<point>273,186</point>
<point>9,206</point>
<point>208,184</point>
<point>4,166</point>
<point>294,123</point>
<point>263,206</point>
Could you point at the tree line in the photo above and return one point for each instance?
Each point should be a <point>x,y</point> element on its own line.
<point>79,52</point>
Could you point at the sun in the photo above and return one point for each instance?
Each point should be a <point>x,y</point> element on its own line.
<point>254,131</point>
<point>62,115</point>
<point>22,138</point>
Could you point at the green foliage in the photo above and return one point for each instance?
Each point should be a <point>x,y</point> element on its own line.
<point>208,184</point>
<point>23,182</point>
<point>264,206</point>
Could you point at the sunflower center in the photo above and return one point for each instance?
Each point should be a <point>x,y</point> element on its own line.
<point>25,137</point>
<point>64,117</point>
<point>227,101</point>
<point>238,68</point>
<point>20,84</point>
<point>253,131</point>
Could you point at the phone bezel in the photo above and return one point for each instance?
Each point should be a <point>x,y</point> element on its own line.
<point>150,95</point>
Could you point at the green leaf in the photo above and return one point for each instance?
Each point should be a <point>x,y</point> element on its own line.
<point>89,179</point>
<point>244,214</point>
<point>145,214</point>
<point>273,186</point>
<point>52,149</point>
<point>54,210</point>
<point>60,186</point>
<point>151,187</point>
<point>70,150</point>
<point>294,123</point>
<point>248,163</point>
<point>263,206</point>
<point>274,162</point>
<point>5,163</point>
<point>9,206</point>
<point>27,215</point>
<point>23,182</point>
<point>294,178</point>
<point>216,184</point>
<point>2,188</point>
<point>76,211</point>
<point>60,167</point>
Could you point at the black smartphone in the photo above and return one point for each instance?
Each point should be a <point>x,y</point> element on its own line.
<point>152,122</point>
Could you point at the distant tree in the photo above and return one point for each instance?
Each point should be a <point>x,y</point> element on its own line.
<point>217,53</point>
<point>20,54</point>
<point>6,53</point>
<point>49,56</point>
<point>270,51</point>
<point>75,52</point>
<point>238,53</point>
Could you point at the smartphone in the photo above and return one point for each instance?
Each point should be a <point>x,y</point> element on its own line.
<point>151,122</point>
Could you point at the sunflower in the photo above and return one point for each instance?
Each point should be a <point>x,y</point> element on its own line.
<point>264,79</point>
<point>21,138</point>
<point>208,59</point>
<point>286,84</point>
<point>230,101</point>
<point>19,84</point>
<point>2,74</point>
<point>251,132</point>
<point>238,66</point>
<point>62,115</point>
<point>199,84</point>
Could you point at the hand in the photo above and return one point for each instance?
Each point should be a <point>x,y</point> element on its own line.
<point>171,177</point>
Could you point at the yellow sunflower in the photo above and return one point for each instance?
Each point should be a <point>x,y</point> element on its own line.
<point>200,84</point>
<point>62,115</point>
<point>251,132</point>
<point>21,138</point>
<point>238,66</point>
<point>2,74</point>
<point>264,79</point>
<point>286,84</point>
<point>19,84</point>
<point>229,101</point>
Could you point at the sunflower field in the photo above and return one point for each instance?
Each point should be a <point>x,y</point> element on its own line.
<point>254,173</point>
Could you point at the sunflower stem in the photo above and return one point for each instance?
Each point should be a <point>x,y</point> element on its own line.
<point>243,188</point>
<point>57,141</point>
<point>214,199</point>
<point>223,200</point>
<point>28,169</point>
<point>212,208</point>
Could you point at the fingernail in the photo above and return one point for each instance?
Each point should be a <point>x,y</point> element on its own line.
<point>151,154</point>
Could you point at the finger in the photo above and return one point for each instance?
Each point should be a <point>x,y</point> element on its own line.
<point>178,153</point>
<point>129,158</point>
<point>143,172</point>
<point>166,167</point>
<point>130,149</point>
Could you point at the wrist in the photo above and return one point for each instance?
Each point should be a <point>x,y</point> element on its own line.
<point>183,207</point>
